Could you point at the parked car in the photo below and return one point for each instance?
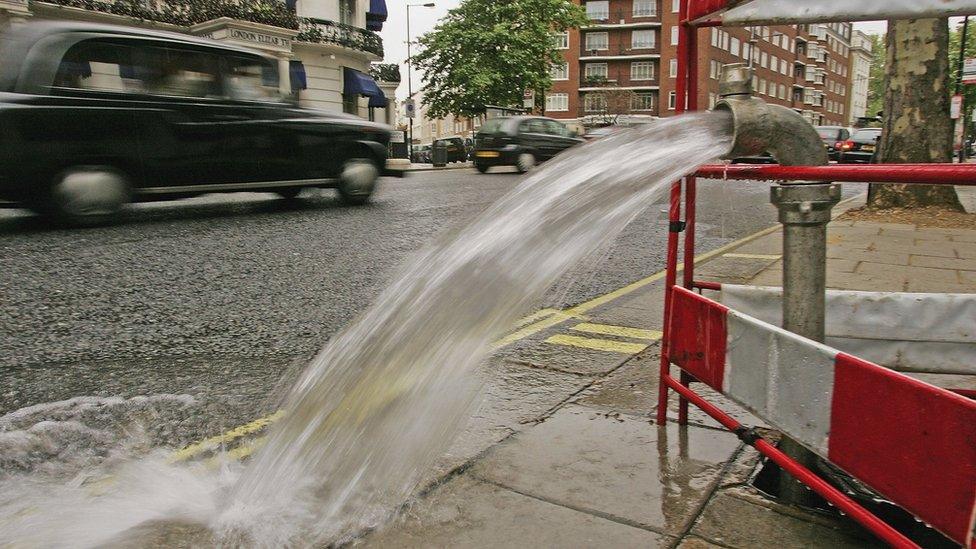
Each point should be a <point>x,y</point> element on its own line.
<point>861,146</point>
<point>95,116</point>
<point>520,141</point>
<point>421,154</point>
<point>602,131</point>
<point>833,139</point>
<point>455,149</point>
<point>764,158</point>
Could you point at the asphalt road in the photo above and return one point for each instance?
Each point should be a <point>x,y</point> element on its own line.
<point>224,297</point>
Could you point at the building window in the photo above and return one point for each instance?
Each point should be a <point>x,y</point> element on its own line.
<point>675,6</point>
<point>642,70</point>
<point>734,46</point>
<point>594,102</point>
<point>712,99</point>
<point>672,100</point>
<point>347,12</point>
<point>716,37</point>
<point>557,102</point>
<point>674,36</point>
<point>642,101</point>
<point>784,67</point>
<point>560,40</point>
<point>782,92</point>
<point>645,8</point>
<point>714,69</point>
<point>597,41</point>
<point>673,68</point>
<point>642,39</point>
<point>559,71</point>
<point>595,70</point>
<point>350,103</point>
<point>599,10</point>
<point>764,60</point>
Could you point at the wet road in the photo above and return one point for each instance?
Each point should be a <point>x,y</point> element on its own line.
<point>223,297</point>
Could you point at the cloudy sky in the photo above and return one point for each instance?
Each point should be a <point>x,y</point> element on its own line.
<point>424,19</point>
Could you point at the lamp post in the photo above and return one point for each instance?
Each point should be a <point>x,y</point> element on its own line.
<point>410,79</point>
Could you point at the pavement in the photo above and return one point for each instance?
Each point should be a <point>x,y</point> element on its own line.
<point>593,470</point>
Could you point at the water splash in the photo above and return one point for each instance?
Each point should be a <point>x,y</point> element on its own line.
<point>385,398</point>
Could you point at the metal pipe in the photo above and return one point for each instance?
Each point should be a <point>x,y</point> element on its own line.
<point>804,211</point>
<point>920,174</point>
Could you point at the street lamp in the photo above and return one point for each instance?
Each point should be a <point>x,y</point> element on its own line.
<point>410,78</point>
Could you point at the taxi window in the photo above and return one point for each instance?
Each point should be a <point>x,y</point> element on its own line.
<point>182,73</point>
<point>555,128</point>
<point>99,65</point>
<point>250,79</point>
<point>534,126</point>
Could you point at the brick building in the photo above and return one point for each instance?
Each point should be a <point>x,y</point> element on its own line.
<point>623,65</point>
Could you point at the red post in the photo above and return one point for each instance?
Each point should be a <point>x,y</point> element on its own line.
<point>674,218</point>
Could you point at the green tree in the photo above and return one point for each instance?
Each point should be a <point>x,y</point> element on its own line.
<point>876,82</point>
<point>488,52</point>
<point>955,41</point>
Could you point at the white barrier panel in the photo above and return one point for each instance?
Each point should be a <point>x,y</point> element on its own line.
<point>906,332</point>
<point>770,12</point>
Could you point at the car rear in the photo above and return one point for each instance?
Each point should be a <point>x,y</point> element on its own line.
<point>833,138</point>
<point>495,144</point>
<point>860,148</point>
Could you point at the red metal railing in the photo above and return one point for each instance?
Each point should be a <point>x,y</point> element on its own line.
<point>695,14</point>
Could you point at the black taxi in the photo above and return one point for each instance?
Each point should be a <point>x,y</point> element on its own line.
<point>95,116</point>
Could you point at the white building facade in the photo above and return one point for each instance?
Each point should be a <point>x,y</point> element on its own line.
<point>325,48</point>
<point>861,57</point>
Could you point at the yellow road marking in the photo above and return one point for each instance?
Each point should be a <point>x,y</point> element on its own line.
<point>215,442</point>
<point>621,331</point>
<point>771,257</point>
<point>237,454</point>
<point>597,344</point>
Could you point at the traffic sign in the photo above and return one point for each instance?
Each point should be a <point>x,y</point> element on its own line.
<point>410,108</point>
<point>528,99</point>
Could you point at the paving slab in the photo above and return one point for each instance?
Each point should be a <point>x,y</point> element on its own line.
<point>632,389</point>
<point>614,465</point>
<point>466,512</point>
<point>737,518</point>
<point>943,262</point>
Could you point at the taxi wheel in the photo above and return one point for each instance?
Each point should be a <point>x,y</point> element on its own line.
<point>357,181</point>
<point>482,168</point>
<point>525,162</point>
<point>88,195</point>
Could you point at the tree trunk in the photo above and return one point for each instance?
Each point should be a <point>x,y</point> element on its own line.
<point>917,127</point>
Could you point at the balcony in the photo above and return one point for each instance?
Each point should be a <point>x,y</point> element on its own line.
<point>617,52</point>
<point>186,13</point>
<point>323,31</point>
<point>617,82</point>
<point>623,19</point>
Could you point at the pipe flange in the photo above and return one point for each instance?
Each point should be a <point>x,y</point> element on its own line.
<point>805,204</point>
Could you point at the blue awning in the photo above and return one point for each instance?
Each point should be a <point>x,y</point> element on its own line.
<point>376,15</point>
<point>357,83</point>
<point>296,73</point>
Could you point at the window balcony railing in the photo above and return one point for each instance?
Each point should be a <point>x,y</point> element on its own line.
<point>616,50</point>
<point>324,31</point>
<point>622,17</point>
<point>618,81</point>
<point>186,13</point>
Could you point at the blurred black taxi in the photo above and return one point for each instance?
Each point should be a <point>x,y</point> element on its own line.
<point>95,116</point>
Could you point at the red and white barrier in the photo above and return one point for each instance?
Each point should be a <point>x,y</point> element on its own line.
<point>912,442</point>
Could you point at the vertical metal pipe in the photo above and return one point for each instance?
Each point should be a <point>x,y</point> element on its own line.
<point>959,87</point>
<point>670,278</point>
<point>804,211</point>
<point>691,56</point>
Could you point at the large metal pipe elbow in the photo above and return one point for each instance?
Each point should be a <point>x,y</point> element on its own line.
<point>759,127</point>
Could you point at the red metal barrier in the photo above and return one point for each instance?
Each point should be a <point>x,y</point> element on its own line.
<point>694,320</point>
<point>926,174</point>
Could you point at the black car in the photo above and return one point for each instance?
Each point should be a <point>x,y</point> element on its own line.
<point>833,139</point>
<point>95,116</point>
<point>455,149</point>
<point>520,141</point>
<point>861,147</point>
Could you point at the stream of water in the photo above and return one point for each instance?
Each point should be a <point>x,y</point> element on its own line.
<point>381,402</point>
